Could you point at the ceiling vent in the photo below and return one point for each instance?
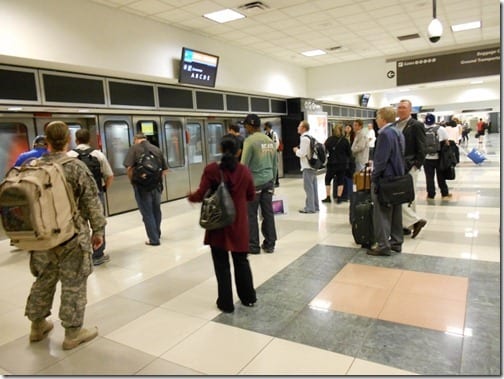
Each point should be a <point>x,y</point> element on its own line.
<point>408,36</point>
<point>253,6</point>
<point>334,48</point>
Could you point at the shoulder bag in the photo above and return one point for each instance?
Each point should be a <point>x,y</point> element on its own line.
<point>217,208</point>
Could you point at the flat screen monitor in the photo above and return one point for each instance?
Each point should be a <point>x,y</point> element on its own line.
<point>364,99</point>
<point>198,68</point>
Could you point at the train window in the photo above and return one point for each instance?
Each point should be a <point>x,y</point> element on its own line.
<point>237,103</point>
<point>215,132</point>
<point>117,141</point>
<point>259,104</point>
<point>13,141</point>
<point>195,142</point>
<point>174,136</point>
<point>278,106</point>
<point>18,85</point>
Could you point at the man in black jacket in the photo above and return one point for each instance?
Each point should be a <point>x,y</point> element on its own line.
<point>414,155</point>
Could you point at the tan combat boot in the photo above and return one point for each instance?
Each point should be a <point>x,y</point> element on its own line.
<point>75,336</point>
<point>39,329</point>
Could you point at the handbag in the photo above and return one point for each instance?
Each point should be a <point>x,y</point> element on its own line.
<point>217,208</point>
<point>449,173</point>
<point>396,190</point>
<point>362,179</point>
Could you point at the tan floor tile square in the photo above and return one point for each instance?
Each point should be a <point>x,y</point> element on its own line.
<point>435,285</point>
<point>371,276</point>
<point>424,311</point>
<point>351,298</point>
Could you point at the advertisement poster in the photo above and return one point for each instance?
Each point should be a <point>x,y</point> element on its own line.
<point>318,125</point>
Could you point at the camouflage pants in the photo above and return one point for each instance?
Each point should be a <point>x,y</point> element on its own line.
<point>68,264</point>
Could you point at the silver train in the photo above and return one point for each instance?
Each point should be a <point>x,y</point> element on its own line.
<point>188,142</point>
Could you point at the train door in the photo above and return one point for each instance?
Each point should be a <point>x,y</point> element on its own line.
<point>177,180</point>
<point>118,135</point>
<point>16,136</point>
<point>195,151</point>
<point>214,131</point>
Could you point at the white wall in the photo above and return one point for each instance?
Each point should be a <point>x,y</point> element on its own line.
<point>87,37</point>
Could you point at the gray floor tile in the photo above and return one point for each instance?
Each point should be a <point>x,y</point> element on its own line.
<point>335,331</point>
<point>424,351</point>
<point>481,355</point>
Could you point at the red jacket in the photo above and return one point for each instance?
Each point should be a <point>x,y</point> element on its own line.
<point>234,237</point>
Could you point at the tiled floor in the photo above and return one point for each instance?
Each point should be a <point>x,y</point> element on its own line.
<point>324,306</point>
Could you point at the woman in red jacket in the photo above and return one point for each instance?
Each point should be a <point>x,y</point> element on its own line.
<point>235,237</point>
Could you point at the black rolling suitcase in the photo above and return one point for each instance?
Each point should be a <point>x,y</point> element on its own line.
<point>361,216</point>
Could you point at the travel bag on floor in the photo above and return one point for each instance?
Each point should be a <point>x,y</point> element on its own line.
<point>362,226</point>
<point>476,156</point>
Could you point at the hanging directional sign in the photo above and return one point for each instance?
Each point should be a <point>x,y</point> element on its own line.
<point>434,68</point>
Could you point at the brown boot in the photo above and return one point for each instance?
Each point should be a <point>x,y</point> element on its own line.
<point>39,329</point>
<point>75,336</point>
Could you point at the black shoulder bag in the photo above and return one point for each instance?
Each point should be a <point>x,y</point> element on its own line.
<point>217,208</point>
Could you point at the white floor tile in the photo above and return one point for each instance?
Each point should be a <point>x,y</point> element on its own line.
<point>362,367</point>
<point>217,349</point>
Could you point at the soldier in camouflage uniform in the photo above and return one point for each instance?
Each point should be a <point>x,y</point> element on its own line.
<point>71,262</point>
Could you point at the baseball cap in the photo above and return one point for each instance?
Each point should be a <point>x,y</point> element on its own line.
<point>430,119</point>
<point>252,120</point>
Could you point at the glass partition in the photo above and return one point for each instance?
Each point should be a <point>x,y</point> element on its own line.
<point>174,136</point>
<point>195,142</point>
<point>215,132</point>
<point>117,140</point>
<point>13,141</point>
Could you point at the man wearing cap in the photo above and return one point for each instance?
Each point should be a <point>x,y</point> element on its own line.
<point>39,149</point>
<point>431,164</point>
<point>259,155</point>
<point>414,155</point>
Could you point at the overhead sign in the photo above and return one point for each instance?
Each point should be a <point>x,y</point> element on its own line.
<point>435,68</point>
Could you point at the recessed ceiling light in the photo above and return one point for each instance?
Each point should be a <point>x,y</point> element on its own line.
<point>224,15</point>
<point>313,53</point>
<point>466,26</point>
<point>476,82</point>
<point>404,90</point>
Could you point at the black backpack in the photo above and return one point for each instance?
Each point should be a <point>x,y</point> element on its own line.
<point>318,155</point>
<point>147,170</point>
<point>93,165</point>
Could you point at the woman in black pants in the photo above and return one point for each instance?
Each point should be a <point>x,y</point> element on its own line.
<point>338,148</point>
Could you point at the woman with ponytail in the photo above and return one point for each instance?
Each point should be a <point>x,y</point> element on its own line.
<point>235,237</point>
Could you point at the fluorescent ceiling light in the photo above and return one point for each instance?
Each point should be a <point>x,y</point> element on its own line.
<point>313,53</point>
<point>476,82</point>
<point>15,108</point>
<point>466,26</point>
<point>404,90</point>
<point>224,15</point>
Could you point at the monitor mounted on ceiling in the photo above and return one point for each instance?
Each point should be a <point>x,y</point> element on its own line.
<point>364,99</point>
<point>198,68</point>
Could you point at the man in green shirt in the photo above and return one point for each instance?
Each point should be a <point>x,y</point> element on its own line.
<point>259,155</point>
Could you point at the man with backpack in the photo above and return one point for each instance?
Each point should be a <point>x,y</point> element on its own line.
<point>268,130</point>
<point>304,153</point>
<point>99,167</point>
<point>69,262</point>
<point>146,166</point>
<point>435,137</point>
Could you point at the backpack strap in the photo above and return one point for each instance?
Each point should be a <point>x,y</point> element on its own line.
<point>58,163</point>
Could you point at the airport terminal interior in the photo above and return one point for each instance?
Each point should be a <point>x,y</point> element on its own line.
<point>324,307</point>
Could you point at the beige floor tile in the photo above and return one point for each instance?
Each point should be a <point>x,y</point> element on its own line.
<point>434,285</point>
<point>351,298</point>
<point>366,368</point>
<point>368,276</point>
<point>282,357</point>
<point>163,367</point>
<point>217,349</point>
<point>14,324</point>
<point>156,331</point>
<point>486,253</point>
<point>424,311</point>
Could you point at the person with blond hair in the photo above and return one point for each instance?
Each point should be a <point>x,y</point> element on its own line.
<point>339,154</point>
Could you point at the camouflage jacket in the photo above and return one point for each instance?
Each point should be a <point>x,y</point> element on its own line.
<point>89,207</point>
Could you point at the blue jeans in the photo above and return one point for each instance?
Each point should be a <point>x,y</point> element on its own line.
<point>311,190</point>
<point>98,253</point>
<point>149,204</point>
<point>263,198</point>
